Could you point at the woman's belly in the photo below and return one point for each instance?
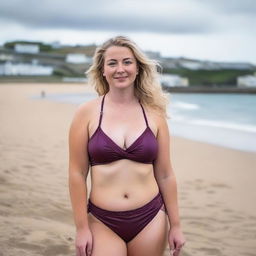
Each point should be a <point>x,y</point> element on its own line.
<point>122,185</point>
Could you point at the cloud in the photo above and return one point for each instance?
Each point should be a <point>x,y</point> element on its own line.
<point>164,16</point>
<point>241,7</point>
<point>204,29</point>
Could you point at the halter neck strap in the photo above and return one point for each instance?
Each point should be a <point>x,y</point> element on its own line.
<point>101,109</point>
<point>145,117</point>
<point>102,106</point>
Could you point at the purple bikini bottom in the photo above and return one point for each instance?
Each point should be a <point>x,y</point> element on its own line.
<point>127,224</point>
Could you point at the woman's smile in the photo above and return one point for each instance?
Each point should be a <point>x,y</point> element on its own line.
<point>121,78</point>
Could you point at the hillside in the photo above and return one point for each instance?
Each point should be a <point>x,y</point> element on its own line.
<point>87,50</point>
<point>47,48</point>
<point>209,78</point>
<point>208,74</point>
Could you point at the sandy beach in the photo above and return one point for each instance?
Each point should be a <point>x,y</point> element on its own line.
<point>216,185</point>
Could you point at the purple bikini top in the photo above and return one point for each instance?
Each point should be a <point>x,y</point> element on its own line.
<point>102,149</point>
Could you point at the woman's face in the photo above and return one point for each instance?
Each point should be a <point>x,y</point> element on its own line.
<point>120,67</point>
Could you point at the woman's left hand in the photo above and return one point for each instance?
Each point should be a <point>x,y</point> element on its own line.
<point>176,240</point>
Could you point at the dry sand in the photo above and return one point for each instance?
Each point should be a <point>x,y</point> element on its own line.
<point>216,185</point>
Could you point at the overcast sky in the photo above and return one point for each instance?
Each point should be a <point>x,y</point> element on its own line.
<point>221,30</point>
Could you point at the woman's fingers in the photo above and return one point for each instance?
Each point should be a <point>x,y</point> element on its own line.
<point>89,249</point>
<point>83,243</point>
<point>80,251</point>
<point>77,252</point>
<point>178,249</point>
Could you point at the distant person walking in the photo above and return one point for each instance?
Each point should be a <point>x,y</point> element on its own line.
<point>122,138</point>
<point>42,94</point>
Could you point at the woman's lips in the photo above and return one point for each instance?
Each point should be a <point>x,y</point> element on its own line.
<point>121,77</point>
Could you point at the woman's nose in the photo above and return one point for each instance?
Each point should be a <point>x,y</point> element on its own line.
<point>120,68</point>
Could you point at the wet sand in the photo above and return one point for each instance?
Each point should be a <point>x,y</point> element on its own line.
<point>216,184</point>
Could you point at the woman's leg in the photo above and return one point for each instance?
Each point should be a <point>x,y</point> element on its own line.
<point>105,241</point>
<point>152,240</point>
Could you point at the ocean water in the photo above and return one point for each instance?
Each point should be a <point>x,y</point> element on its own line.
<point>227,120</point>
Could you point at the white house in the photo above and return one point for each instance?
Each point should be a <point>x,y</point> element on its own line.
<point>246,81</point>
<point>5,57</point>
<point>78,58</point>
<point>173,80</point>
<point>24,69</point>
<point>190,64</point>
<point>56,44</point>
<point>193,64</point>
<point>26,48</point>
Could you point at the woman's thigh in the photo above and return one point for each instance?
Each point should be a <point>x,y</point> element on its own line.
<point>152,240</point>
<point>105,241</point>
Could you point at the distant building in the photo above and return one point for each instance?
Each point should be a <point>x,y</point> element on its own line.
<point>77,58</point>
<point>190,64</point>
<point>193,64</point>
<point>246,81</point>
<point>168,63</point>
<point>174,80</point>
<point>27,48</point>
<point>210,65</point>
<point>24,69</point>
<point>56,44</point>
<point>5,57</point>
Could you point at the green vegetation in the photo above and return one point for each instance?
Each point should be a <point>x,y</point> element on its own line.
<point>87,50</point>
<point>43,47</point>
<point>70,70</point>
<point>210,78</point>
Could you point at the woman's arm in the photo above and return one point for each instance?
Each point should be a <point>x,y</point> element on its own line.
<point>78,171</point>
<point>167,184</point>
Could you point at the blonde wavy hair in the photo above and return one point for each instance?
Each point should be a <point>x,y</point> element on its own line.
<point>147,87</point>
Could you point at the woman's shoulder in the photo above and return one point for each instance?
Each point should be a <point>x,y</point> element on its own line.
<point>90,104</point>
<point>156,119</point>
<point>88,108</point>
<point>156,115</point>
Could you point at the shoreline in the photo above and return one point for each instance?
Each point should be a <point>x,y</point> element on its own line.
<point>177,127</point>
<point>215,184</point>
<point>171,89</point>
<point>204,89</point>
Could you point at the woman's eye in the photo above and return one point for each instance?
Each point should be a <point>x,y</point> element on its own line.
<point>127,62</point>
<point>111,63</point>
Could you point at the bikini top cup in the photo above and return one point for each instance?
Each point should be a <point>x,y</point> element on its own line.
<point>102,149</point>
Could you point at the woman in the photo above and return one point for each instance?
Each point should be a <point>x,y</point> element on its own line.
<point>123,137</point>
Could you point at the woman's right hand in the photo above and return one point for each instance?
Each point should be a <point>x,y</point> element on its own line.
<point>83,242</point>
